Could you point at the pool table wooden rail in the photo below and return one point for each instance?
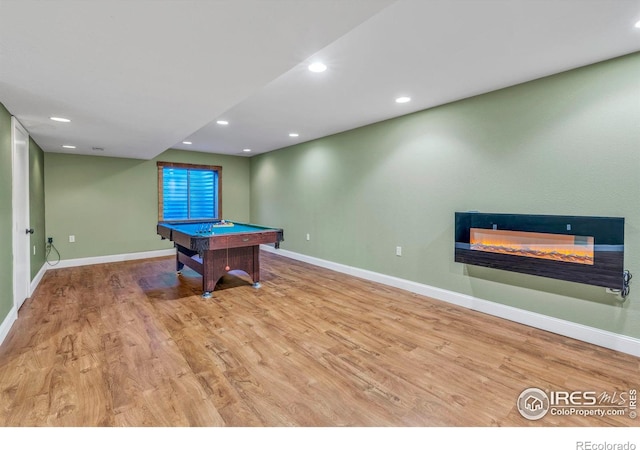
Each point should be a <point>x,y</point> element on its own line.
<point>221,241</point>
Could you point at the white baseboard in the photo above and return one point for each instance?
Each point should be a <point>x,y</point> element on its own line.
<point>6,324</point>
<point>112,258</point>
<point>8,321</point>
<point>37,279</point>
<point>603,338</point>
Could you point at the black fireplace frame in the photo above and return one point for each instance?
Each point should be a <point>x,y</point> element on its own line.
<point>608,233</point>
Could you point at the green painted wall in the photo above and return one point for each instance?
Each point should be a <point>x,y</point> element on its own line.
<point>36,207</point>
<point>110,205</point>
<point>6,251</point>
<point>566,144</point>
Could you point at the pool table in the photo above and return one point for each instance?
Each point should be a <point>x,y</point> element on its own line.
<point>212,248</point>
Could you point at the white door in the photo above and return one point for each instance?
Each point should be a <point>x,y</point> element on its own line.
<point>20,208</point>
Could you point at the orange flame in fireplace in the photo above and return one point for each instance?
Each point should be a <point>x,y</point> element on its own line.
<point>557,247</point>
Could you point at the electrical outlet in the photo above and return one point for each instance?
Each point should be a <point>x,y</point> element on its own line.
<point>398,251</point>
<point>34,249</point>
<point>72,238</point>
<point>49,240</point>
<point>308,237</point>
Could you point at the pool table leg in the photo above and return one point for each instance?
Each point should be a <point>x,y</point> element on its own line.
<point>179,265</point>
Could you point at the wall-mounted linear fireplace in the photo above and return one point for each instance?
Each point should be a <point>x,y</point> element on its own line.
<point>586,250</point>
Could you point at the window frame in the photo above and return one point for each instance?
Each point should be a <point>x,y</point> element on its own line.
<point>162,164</point>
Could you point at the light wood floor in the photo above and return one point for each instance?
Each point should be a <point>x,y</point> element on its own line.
<point>131,344</point>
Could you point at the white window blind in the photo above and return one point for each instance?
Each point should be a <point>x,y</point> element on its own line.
<point>189,194</point>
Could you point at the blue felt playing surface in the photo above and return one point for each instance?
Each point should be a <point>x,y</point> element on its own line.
<point>195,228</point>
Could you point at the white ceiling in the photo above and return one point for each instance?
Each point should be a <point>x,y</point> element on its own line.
<point>139,76</point>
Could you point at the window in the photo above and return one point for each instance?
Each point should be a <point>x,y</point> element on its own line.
<point>188,191</point>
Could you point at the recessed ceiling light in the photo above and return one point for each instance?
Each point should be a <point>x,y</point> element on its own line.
<point>403,99</point>
<point>222,122</point>
<point>68,146</point>
<point>317,67</point>
<point>293,135</point>
<point>187,142</point>
<point>246,150</point>
<point>60,119</point>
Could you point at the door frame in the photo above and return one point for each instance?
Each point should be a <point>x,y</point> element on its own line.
<point>21,278</point>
